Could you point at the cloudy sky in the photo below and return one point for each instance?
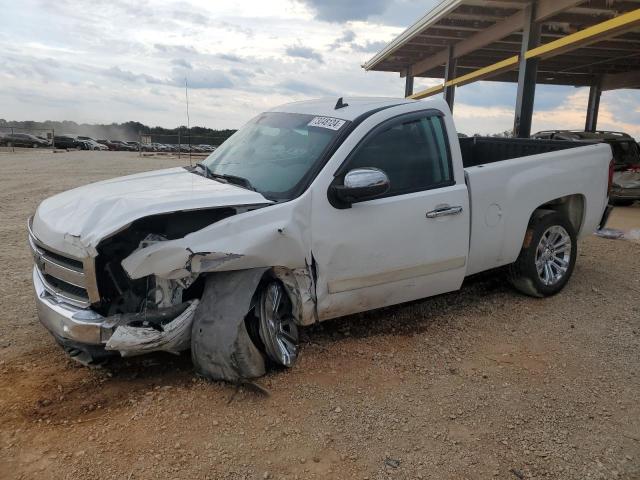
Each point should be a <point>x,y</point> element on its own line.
<point>118,60</point>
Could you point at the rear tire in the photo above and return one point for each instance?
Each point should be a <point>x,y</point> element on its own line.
<point>548,256</point>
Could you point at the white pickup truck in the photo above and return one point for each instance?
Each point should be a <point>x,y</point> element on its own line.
<point>311,211</point>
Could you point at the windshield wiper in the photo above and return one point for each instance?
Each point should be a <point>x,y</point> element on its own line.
<point>233,179</point>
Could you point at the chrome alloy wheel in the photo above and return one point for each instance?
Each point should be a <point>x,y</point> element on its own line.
<point>553,255</point>
<point>278,330</point>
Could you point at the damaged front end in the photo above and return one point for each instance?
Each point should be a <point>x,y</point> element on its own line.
<point>91,338</point>
<point>160,284</point>
<point>100,311</point>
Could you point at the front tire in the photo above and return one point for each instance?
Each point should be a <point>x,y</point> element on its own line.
<point>277,327</point>
<point>221,346</point>
<point>548,255</point>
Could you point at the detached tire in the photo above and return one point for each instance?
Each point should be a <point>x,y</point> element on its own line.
<point>548,256</point>
<point>221,347</point>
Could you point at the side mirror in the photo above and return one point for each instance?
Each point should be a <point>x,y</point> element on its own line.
<point>360,184</point>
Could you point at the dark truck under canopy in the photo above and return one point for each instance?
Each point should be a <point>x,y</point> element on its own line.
<point>483,150</point>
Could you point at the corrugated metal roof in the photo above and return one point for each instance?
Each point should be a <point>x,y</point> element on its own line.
<point>483,32</point>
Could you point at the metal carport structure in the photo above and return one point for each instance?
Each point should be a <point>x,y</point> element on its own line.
<point>593,43</point>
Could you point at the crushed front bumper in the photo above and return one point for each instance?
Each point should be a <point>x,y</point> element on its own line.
<point>67,322</point>
<point>82,329</point>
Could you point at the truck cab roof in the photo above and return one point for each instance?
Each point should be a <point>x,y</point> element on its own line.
<point>352,107</point>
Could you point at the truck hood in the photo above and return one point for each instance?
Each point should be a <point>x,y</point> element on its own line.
<point>75,221</point>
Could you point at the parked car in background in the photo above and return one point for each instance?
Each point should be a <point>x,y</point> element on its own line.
<point>67,141</point>
<point>205,148</point>
<point>626,155</point>
<point>136,145</point>
<point>148,147</point>
<point>159,147</point>
<point>23,140</point>
<point>93,145</point>
<point>108,143</point>
<point>122,146</point>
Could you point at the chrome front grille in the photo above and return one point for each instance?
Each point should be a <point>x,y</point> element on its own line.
<point>70,279</point>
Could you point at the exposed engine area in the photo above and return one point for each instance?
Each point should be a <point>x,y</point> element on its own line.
<point>119,294</point>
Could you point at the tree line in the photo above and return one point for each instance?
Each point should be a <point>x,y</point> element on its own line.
<point>127,131</point>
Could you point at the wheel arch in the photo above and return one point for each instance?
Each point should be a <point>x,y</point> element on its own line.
<point>299,284</point>
<point>524,273</point>
<point>571,206</point>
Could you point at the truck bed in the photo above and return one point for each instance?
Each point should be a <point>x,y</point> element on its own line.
<point>503,195</point>
<point>483,150</point>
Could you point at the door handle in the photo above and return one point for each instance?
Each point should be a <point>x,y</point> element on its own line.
<point>443,211</point>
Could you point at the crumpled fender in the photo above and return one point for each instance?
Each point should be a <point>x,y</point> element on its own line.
<point>221,348</point>
<point>299,284</point>
<point>274,235</point>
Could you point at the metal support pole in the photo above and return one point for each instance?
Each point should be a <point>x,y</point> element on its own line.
<point>527,72</point>
<point>449,74</point>
<point>179,145</point>
<point>593,106</point>
<point>408,85</point>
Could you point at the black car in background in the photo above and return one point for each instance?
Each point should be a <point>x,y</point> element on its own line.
<point>626,159</point>
<point>124,146</point>
<point>23,140</point>
<point>67,141</point>
<point>624,147</point>
<point>109,144</point>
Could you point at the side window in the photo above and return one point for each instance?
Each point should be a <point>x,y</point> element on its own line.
<point>413,154</point>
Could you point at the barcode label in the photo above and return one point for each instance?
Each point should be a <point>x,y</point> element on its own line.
<point>326,122</point>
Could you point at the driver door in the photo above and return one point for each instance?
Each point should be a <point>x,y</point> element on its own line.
<point>394,248</point>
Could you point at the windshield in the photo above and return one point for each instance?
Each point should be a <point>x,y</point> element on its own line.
<point>275,152</point>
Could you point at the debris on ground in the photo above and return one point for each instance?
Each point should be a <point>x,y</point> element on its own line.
<point>610,233</point>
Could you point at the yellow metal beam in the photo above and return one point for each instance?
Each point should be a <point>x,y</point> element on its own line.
<point>609,28</point>
<point>508,64</point>
<point>592,34</point>
<point>428,92</point>
<point>499,67</point>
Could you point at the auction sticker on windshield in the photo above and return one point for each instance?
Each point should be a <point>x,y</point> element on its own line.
<point>326,122</point>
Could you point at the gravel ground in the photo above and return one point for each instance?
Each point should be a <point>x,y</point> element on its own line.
<point>482,383</point>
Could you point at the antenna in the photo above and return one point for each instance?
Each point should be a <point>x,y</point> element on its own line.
<point>186,96</point>
<point>340,104</point>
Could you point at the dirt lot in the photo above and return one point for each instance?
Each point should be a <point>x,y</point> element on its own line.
<point>484,383</point>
